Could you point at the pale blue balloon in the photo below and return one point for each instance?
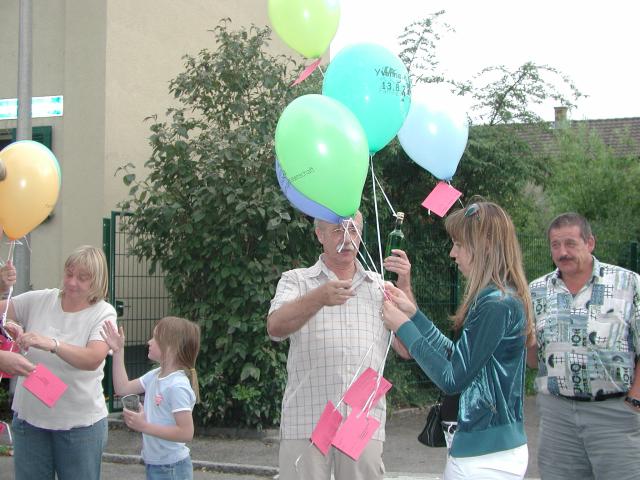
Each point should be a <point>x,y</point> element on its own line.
<point>435,133</point>
<point>302,202</point>
<point>374,84</point>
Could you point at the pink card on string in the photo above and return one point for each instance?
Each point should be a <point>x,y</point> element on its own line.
<point>8,346</point>
<point>45,385</point>
<point>354,434</point>
<point>306,72</point>
<point>2,427</point>
<point>361,389</point>
<point>441,198</point>
<point>326,428</point>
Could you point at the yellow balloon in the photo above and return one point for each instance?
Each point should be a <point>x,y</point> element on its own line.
<point>30,189</point>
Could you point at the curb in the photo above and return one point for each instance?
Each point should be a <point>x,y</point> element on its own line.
<point>269,435</point>
<point>258,470</point>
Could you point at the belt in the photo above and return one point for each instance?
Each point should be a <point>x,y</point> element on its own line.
<point>597,398</point>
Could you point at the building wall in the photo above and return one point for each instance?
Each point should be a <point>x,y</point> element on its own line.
<point>48,78</point>
<point>112,60</point>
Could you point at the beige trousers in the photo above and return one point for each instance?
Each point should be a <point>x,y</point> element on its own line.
<point>312,465</point>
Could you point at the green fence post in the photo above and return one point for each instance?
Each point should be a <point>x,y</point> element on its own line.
<point>107,382</point>
<point>453,290</point>
<point>633,256</point>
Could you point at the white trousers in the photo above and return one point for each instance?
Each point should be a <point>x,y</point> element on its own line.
<point>505,465</point>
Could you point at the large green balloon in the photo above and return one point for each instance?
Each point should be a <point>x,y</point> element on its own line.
<point>307,26</point>
<point>323,151</point>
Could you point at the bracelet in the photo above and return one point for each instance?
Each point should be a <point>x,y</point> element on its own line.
<point>54,350</point>
<point>634,402</point>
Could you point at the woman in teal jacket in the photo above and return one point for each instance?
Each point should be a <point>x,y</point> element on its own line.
<point>487,363</point>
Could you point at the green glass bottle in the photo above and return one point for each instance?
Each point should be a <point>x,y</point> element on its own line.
<point>395,240</point>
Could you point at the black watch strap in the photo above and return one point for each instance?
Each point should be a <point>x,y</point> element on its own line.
<point>633,401</point>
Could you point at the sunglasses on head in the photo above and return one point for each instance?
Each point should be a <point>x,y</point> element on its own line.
<point>471,210</point>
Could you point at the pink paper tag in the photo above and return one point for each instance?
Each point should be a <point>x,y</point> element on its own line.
<point>441,198</point>
<point>45,385</point>
<point>361,389</point>
<point>306,72</point>
<point>2,427</point>
<point>8,346</point>
<point>355,433</point>
<point>326,428</point>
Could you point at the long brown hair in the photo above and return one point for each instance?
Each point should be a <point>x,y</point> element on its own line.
<point>487,232</point>
<point>182,338</point>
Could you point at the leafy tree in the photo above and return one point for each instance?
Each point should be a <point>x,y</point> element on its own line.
<point>503,96</point>
<point>419,41</point>
<point>589,177</point>
<point>209,212</point>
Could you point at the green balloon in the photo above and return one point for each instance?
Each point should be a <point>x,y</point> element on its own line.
<point>323,151</point>
<point>307,26</point>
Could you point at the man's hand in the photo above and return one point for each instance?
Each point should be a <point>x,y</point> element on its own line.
<point>399,263</point>
<point>335,292</point>
<point>292,316</point>
<point>15,364</point>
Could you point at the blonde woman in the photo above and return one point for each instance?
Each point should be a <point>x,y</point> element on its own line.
<point>60,328</point>
<point>487,362</point>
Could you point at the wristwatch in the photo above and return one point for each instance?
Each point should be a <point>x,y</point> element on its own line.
<point>634,402</point>
<point>54,350</point>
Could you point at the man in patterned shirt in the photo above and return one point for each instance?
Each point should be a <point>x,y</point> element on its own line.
<point>331,314</point>
<point>588,332</point>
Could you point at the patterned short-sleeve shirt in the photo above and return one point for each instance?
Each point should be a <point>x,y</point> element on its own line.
<point>588,342</point>
<point>326,352</point>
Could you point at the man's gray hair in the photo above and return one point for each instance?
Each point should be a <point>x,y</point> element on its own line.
<point>571,219</point>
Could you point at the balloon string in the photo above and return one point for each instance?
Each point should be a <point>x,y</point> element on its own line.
<point>370,264</point>
<point>355,375</point>
<point>3,318</point>
<point>369,403</point>
<point>385,196</point>
<point>26,242</point>
<point>375,204</point>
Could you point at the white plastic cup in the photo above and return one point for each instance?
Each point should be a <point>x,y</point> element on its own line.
<point>131,402</point>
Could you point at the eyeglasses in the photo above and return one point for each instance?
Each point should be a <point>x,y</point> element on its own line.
<point>472,210</point>
<point>340,231</point>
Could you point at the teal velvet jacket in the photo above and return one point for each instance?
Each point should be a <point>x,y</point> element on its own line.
<point>486,365</point>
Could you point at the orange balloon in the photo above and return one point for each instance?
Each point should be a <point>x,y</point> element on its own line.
<point>30,189</point>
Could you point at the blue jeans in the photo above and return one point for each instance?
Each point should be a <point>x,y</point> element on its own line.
<point>182,470</point>
<point>71,454</point>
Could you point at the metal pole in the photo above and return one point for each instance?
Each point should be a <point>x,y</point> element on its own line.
<point>22,255</point>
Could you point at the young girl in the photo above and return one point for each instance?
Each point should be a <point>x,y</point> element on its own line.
<point>170,391</point>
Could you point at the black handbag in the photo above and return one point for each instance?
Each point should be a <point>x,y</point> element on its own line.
<point>432,434</point>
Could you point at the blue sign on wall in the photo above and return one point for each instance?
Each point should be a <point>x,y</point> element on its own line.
<point>40,107</point>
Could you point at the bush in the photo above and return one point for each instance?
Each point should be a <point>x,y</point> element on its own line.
<point>211,215</point>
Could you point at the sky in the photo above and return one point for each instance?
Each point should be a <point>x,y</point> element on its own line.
<point>594,43</point>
